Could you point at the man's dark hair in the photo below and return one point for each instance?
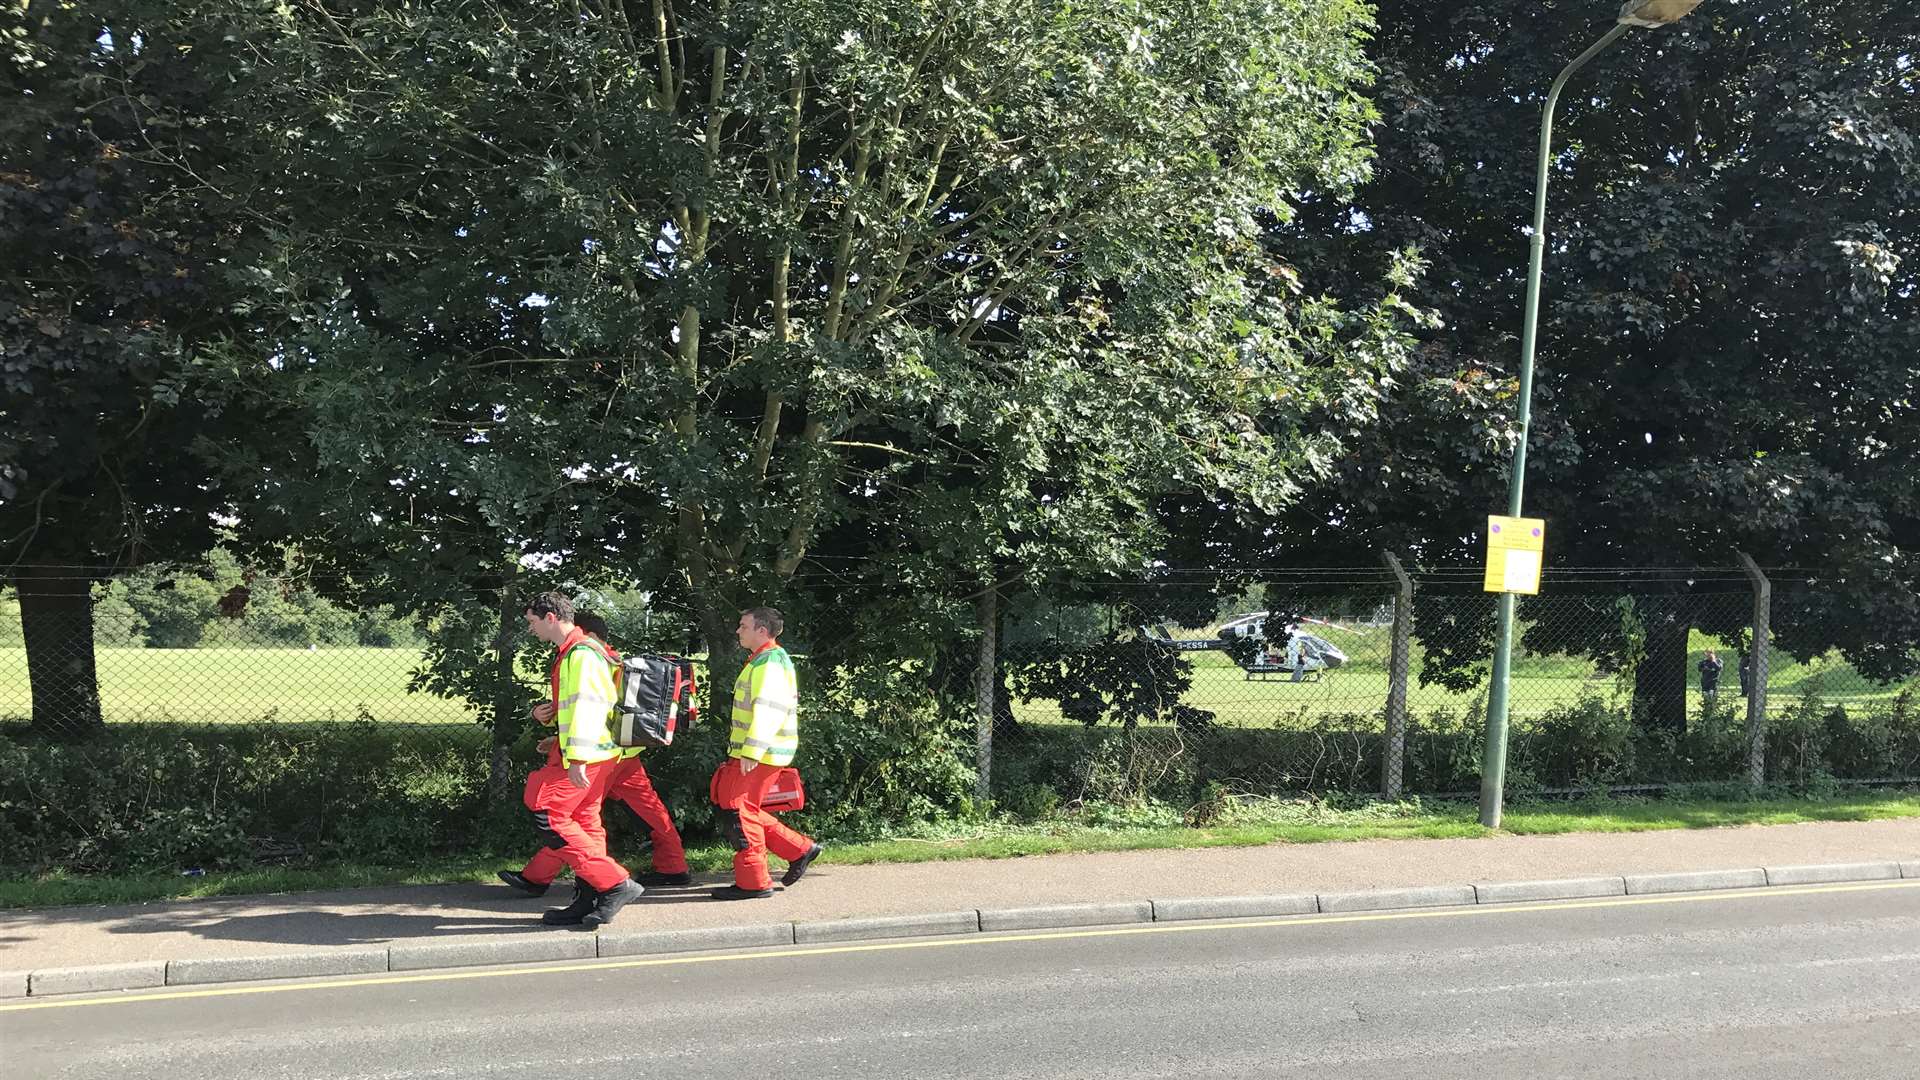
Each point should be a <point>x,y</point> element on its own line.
<point>767,619</point>
<point>551,603</point>
<point>591,623</point>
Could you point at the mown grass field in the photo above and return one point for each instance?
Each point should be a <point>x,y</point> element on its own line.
<point>1540,684</point>
<point>241,685</point>
<point>245,685</point>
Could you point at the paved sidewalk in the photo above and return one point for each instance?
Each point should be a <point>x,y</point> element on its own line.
<point>303,922</point>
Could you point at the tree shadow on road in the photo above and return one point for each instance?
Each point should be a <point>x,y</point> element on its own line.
<point>325,927</point>
<point>343,918</point>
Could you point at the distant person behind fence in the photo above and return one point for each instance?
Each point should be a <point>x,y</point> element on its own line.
<point>1746,675</point>
<point>1710,666</point>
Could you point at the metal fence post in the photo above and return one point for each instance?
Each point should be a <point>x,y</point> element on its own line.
<point>986,621</point>
<point>1393,755</point>
<point>1761,648</point>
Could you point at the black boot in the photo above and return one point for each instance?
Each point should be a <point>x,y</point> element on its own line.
<point>609,903</point>
<point>518,882</point>
<point>574,913</point>
<point>735,892</point>
<point>797,869</point>
<point>656,879</point>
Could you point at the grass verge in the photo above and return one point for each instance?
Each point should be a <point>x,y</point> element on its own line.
<point>1243,825</point>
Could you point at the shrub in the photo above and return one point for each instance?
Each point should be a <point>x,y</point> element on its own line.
<point>1813,741</point>
<point>1797,739</point>
<point>878,768</point>
<point>878,757</point>
<point>873,757</point>
<point>156,797</point>
<point>1573,745</point>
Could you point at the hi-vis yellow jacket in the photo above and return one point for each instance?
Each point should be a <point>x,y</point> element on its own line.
<point>582,680</point>
<point>766,709</point>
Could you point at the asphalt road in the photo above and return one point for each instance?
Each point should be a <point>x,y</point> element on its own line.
<point>1773,983</point>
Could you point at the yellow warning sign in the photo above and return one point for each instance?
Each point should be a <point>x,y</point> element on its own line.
<point>1514,549</point>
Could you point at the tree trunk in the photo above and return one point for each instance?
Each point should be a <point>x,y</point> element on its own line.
<point>507,701</point>
<point>724,659</point>
<point>1005,724</point>
<point>1660,679</point>
<point>56,618</point>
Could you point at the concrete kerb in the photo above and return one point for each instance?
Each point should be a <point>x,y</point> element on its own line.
<point>1698,881</point>
<point>1063,916</point>
<point>475,950</point>
<point>1512,892</point>
<point>614,943</point>
<point>97,978</point>
<point>936,924</point>
<point>1234,907</point>
<point>1839,872</point>
<point>300,965</point>
<point>1388,899</point>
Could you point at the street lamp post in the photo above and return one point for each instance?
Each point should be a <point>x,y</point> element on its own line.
<point>1493,766</point>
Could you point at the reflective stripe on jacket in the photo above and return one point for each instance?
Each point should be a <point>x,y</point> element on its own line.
<point>766,709</point>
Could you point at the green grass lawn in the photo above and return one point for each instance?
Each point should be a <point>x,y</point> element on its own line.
<point>241,685</point>
<point>244,685</point>
<point>1540,684</point>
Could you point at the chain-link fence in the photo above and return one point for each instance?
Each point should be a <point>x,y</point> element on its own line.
<point>188,647</point>
<point>207,717</point>
<point>1348,680</point>
<point>1356,681</point>
<point>241,718</point>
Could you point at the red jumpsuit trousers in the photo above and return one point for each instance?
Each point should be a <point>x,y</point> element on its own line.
<point>628,783</point>
<point>569,819</point>
<point>757,831</point>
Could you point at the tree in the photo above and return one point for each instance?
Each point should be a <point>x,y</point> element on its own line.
<point>110,272</point>
<point>680,299</point>
<point>1727,328</point>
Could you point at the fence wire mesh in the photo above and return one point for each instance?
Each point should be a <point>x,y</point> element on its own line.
<point>1263,683</point>
<point>182,647</point>
<point>1289,684</point>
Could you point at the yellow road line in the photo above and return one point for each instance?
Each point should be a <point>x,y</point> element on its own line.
<point>137,997</point>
